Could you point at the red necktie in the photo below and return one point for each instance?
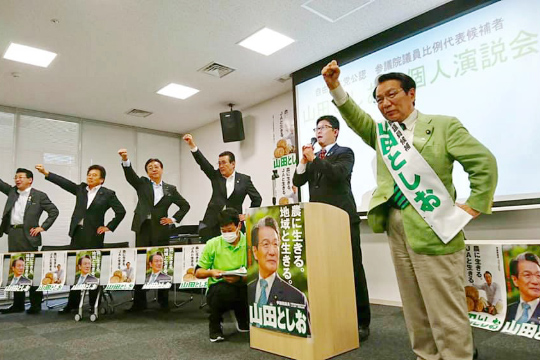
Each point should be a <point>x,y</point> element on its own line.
<point>322,154</point>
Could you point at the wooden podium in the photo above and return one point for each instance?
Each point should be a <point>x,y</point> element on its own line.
<point>334,327</point>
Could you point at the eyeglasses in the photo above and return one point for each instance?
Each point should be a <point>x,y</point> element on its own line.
<point>321,128</point>
<point>19,177</point>
<point>390,95</point>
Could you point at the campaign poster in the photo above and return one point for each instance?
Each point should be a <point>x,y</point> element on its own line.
<point>122,269</point>
<point>21,272</point>
<point>87,270</point>
<point>1,268</point>
<point>522,269</point>
<point>190,255</point>
<point>277,270</point>
<point>53,271</point>
<point>284,158</point>
<point>485,286</point>
<point>159,268</point>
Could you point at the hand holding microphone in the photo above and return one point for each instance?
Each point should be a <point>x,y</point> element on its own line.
<point>307,151</point>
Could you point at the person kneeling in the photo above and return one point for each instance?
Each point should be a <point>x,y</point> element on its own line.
<point>225,292</point>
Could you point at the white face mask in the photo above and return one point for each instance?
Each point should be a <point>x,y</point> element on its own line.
<point>229,237</point>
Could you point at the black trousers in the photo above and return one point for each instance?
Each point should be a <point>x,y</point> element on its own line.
<point>17,241</point>
<point>222,297</point>
<point>363,310</point>
<point>151,234</point>
<point>75,297</point>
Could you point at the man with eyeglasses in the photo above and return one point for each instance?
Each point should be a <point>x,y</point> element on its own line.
<point>229,188</point>
<point>328,174</point>
<point>87,228</point>
<point>151,222</point>
<point>525,275</point>
<point>415,204</point>
<point>20,222</point>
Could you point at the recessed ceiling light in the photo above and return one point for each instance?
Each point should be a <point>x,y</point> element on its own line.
<point>177,91</point>
<point>29,55</point>
<point>266,41</point>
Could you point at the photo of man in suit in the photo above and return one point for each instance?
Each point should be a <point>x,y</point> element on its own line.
<point>229,188</point>
<point>429,271</point>
<point>17,268</point>
<point>269,288</point>
<point>87,227</point>
<point>156,275</point>
<point>328,174</point>
<point>84,266</point>
<point>20,221</point>
<point>525,275</point>
<point>151,222</point>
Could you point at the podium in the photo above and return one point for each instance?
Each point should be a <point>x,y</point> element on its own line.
<point>334,328</point>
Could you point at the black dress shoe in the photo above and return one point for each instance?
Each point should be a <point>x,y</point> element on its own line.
<point>135,309</point>
<point>363,333</point>
<point>33,310</point>
<point>12,309</point>
<point>65,311</point>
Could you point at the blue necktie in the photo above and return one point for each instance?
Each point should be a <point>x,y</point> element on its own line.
<point>263,299</point>
<point>525,316</point>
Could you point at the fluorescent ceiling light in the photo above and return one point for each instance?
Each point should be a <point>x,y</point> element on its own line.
<point>29,55</point>
<point>266,41</point>
<point>177,91</point>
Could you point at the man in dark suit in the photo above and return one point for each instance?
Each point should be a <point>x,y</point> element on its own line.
<point>328,174</point>
<point>269,288</point>
<point>525,274</point>
<point>84,265</point>
<point>17,267</point>
<point>156,265</point>
<point>150,221</point>
<point>87,228</point>
<point>20,221</point>
<point>229,188</point>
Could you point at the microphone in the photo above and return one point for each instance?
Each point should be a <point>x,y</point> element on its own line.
<point>313,141</point>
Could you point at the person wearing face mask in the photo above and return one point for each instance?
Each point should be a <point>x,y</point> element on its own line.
<point>21,223</point>
<point>151,222</point>
<point>225,292</point>
<point>87,228</point>
<point>229,188</point>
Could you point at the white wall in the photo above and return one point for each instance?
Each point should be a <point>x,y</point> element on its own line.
<point>254,158</point>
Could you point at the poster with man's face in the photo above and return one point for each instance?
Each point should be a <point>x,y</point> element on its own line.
<point>159,268</point>
<point>21,272</point>
<point>87,270</point>
<point>190,255</point>
<point>277,273</point>
<point>53,271</point>
<point>122,269</point>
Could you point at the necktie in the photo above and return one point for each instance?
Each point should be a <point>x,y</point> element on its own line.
<point>525,316</point>
<point>81,280</point>
<point>403,126</point>
<point>322,154</point>
<point>15,281</point>
<point>263,299</point>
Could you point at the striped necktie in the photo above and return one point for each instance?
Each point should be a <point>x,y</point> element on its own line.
<point>263,299</point>
<point>322,154</point>
<point>525,316</point>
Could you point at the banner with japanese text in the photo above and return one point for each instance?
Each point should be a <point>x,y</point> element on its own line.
<point>159,268</point>
<point>284,158</point>
<point>190,255</point>
<point>123,264</point>
<point>277,270</point>
<point>21,272</point>
<point>87,270</point>
<point>53,271</point>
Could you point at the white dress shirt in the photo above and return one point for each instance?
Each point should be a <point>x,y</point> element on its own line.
<point>230,184</point>
<point>17,212</point>
<point>301,168</point>
<point>158,188</point>
<point>91,196</point>
<point>270,281</point>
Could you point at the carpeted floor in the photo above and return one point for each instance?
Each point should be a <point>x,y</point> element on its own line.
<point>182,333</point>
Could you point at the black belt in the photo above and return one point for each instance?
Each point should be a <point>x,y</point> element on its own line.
<point>18,226</point>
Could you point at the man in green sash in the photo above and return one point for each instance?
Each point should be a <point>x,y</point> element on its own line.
<point>429,267</point>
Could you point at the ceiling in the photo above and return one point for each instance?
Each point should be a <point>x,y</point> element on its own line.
<point>114,55</point>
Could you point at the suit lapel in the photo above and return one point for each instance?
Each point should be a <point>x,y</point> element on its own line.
<point>29,201</point>
<point>423,130</point>
<point>99,193</point>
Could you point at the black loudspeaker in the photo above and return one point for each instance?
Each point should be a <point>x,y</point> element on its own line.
<point>232,126</point>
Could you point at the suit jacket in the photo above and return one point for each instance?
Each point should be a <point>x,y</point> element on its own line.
<point>37,203</point>
<point>280,291</point>
<point>243,187</point>
<point>23,281</point>
<point>94,216</point>
<point>329,180</point>
<point>89,279</point>
<point>160,278</point>
<point>512,310</point>
<point>441,140</point>
<point>145,204</point>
